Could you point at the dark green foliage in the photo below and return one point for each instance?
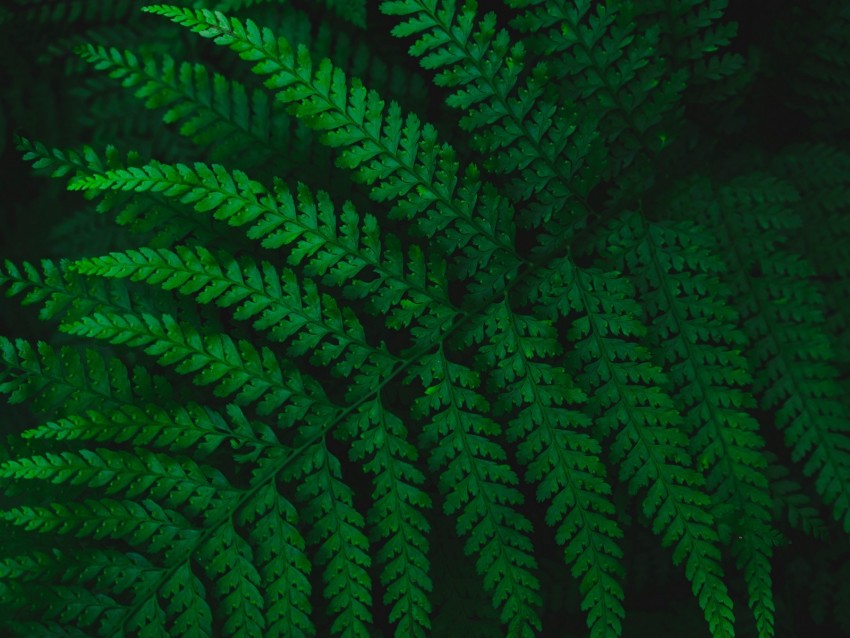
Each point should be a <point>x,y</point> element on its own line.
<point>577,342</point>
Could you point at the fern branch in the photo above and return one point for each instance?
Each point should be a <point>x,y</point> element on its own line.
<point>216,113</point>
<point>70,380</point>
<point>337,530</point>
<point>628,401</point>
<point>144,524</point>
<point>178,482</point>
<point>401,158</point>
<point>283,565</point>
<point>227,560</point>
<point>561,459</point>
<point>237,368</point>
<point>680,280</point>
<point>608,70</point>
<point>151,214</point>
<point>342,252</point>
<point>479,488</point>
<point>187,427</point>
<point>311,322</point>
<point>523,134</point>
<point>792,502</point>
<point>790,354</point>
<point>64,295</point>
<point>397,514</point>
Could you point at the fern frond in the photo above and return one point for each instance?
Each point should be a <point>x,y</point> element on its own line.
<point>68,296</point>
<point>692,29</point>
<point>102,570</point>
<point>236,368</point>
<point>69,380</point>
<point>479,488</point>
<point>694,39</point>
<point>629,401</point>
<point>678,278</point>
<point>821,174</point>
<point>151,215</point>
<point>820,84</point>
<point>63,295</point>
<point>399,157</point>
<point>523,134</point>
<point>191,427</point>
<point>570,298</point>
<point>561,459</point>
<point>397,514</point>
<point>219,115</point>
<point>791,355</point>
<point>343,248</point>
<point>177,482</point>
<point>56,162</point>
<point>145,525</point>
<point>227,560</point>
<point>309,322</point>
<point>187,603</point>
<point>337,529</point>
<point>608,69</point>
<point>279,551</point>
<point>791,502</point>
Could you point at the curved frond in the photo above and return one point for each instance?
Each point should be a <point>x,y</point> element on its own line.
<point>480,488</point>
<point>561,459</point>
<point>630,404</point>
<point>678,278</point>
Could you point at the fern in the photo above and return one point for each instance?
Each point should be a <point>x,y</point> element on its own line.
<point>210,110</point>
<point>71,379</point>
<point>438,397</point>
<point>517,126</point>
<point>604,85</point>
<point>631,404</point>
<point>565,463</point>
<point>816,421</point>
<point>678,279</point>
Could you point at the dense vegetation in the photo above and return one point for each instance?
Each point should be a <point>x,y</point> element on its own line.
<point>419,318</point>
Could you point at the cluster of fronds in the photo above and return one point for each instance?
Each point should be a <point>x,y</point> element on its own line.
<point>280,403</point>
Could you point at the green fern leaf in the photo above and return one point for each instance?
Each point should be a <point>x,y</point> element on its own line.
<point>72,380</point>
<point>337,531</point>
<point>397,156</point>
<point>678,278</point>
<point>310,322</point>
<point>216,114</point>
<point>306,225</point>
<point>799,380</point>
<point>522,133</point>
<point>236,368</point>
<point>283,565</point>
<point>629,401</point>
<point>479,488</point>
<point>396,515</point>
<point>563,462</point>
<point>593,329</point>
